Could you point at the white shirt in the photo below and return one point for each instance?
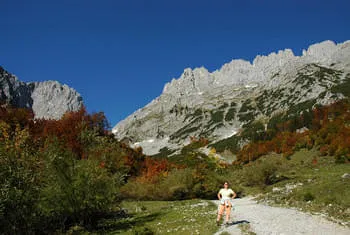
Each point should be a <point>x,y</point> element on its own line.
<point>226,193</point>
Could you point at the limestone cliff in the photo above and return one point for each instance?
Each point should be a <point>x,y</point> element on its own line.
<point>217,104</point>
<point>48,99</point>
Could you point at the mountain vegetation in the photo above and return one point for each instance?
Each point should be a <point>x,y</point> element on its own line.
<point>56,174</point>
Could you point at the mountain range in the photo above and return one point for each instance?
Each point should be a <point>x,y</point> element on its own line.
<point>214,105</point>
<point>218,105</point>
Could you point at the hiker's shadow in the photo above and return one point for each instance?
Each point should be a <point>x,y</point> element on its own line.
<point>238,222</point>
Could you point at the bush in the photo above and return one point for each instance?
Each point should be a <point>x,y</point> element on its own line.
<point>340,159</point>
<point>308,197</point>
<point>262,173</point>
<point>76,191</point>
<point>18,193</point>
<point>180,184</point>
<point>210,183</point>
<point>143,231</point>
<point>135,189</point>
<point>54,177</point>
<point>177,185</point>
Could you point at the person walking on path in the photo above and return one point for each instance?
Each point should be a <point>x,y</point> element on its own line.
<point>225,195</point>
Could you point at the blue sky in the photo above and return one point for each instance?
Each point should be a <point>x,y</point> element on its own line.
<point>119,53</point>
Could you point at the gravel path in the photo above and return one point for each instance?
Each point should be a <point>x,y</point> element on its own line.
<point>262,219</point>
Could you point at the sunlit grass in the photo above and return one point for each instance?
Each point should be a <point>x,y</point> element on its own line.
<point>165,217</point>
<point>320,186</point>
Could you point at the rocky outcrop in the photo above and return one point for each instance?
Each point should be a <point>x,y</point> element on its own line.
<point>49,100</point>
<point>13,91</point>
<point>217,104</point>
<point>52,99</point>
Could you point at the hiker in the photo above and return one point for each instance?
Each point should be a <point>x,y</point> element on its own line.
<point>225,196</point>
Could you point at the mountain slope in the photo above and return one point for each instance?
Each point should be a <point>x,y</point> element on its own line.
<point>217,105</point>
<point>48,99</point>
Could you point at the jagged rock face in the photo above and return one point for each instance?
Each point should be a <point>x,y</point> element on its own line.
<point>13,91</point>
<point>49,100</point>
<point>52,99</point>
<point>216,105</point>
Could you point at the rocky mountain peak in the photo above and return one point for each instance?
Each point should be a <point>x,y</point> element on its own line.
<point>51,99</point>
<point>217,104</point>
<point>321,51</point>
<point>48,99</point>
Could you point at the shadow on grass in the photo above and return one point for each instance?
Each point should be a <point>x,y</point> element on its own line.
<point>123,224</point>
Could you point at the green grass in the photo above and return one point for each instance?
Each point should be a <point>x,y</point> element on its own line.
<point>319,186</point>
<point>165,217</point>
<point>322,188</point>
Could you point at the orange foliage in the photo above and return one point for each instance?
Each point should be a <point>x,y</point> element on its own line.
<point>330,131</point>
<point>152,169</point>
<point>17,116</point>
<point>69,128</point>
<point>203,141</point>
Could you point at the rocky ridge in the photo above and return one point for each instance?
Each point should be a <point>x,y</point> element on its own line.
<point>49,99</point>
<point>217,104</point>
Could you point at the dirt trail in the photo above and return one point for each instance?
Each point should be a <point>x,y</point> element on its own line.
<point>262,219</point>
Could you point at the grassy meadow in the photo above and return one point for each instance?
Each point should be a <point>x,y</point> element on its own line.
<point>163,217</point>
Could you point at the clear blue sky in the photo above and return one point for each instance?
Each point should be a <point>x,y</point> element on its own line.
<point>119,53</point>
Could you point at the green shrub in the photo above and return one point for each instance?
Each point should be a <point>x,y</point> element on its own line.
<point>231,143</point>
<point>217,116</point>
<point>76,191</point>
<point>308,197</point>
<point>19,191</point>
<point>179,192</point>
<point>231,114</point>
<point>246,106</point>
<point>262,173</point>
<point>143,231</point>
<point>340,159</point>
<point>178,185</point>
<point>135,189</point>
<point>254,131</point>
<point>211,183</point>
<point>343,88</point>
